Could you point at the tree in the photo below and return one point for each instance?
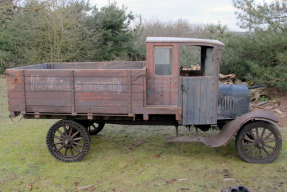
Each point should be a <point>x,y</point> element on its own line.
<point>260,56</point>
<point>45,31</point>
<point>118,32</point>
<point>252,16</point>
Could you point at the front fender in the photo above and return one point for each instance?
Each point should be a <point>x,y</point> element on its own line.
<point>231,128</point>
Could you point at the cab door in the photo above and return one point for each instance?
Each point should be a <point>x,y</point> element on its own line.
<point>162,74</point>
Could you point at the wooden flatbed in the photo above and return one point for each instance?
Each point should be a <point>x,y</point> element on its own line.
<point>84,89</point>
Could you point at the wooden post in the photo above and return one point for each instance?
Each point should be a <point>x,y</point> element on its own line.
<point>130,92</point>
<point>73,92</point>
<point>24,93</point>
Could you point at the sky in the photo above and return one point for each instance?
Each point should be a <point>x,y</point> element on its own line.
<point>195,11</point>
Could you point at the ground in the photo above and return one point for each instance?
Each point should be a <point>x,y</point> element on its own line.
<point>127,158</point>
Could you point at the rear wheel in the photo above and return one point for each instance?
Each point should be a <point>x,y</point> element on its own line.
<point>259,142</point>
<point>92,127</point>
<point>68,141</point>
<point>95,128</point>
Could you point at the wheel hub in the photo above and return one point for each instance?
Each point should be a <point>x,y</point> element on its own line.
<point>68,141</point>
<point>259,143</point>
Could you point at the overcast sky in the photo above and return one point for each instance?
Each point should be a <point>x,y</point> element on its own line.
<point>195,11</point>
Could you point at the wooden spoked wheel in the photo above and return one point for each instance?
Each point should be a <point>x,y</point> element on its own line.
<point>68,141</point>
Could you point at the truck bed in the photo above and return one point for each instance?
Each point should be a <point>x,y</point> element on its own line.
<point>111,88</point>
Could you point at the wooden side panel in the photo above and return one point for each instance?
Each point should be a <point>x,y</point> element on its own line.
<point>198,101</point>
<point>109,91</point>
<point>15,87</point>
<point>48,91</point>
<point>76,91</point>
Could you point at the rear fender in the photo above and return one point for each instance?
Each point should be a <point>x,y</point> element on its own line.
<point>231,128</point>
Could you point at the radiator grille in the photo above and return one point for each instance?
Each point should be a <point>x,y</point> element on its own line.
<point>226,103</point>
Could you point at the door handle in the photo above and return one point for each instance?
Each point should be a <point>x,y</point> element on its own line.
<point>182,88</point>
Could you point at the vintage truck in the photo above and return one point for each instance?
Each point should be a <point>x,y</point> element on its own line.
<point>158,91</point>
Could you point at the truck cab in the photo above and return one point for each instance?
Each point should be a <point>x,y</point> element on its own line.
<point>184,72</point>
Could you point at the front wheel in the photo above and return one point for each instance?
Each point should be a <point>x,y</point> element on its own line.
<point>259,142</point>
<point>68,141</point>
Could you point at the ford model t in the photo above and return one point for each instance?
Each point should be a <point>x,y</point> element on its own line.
<point>158,91</point>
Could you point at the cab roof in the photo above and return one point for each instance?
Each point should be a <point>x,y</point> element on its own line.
<point>207,42</point>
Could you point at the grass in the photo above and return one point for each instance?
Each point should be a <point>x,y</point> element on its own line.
<point>113,164</point>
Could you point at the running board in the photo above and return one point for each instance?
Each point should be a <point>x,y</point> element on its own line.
<point>218,140</point>
<point>209,141</point>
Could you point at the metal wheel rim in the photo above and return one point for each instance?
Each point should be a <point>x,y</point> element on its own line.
<point>68,141</point>
<point>259,143</point>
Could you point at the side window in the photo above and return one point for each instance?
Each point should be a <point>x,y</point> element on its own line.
<point>163,60</point>
<point>191,60</point>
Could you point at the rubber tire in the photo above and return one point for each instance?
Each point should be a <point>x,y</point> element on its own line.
<point>61,157</point>
<point>86,124</point>
<point>272,128</point>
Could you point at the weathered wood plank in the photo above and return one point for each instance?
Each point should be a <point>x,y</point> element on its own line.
<point>49,102</point>
<point>12,73</point>
<point>210,113</point>
<point>107,96</point>
<point>101,103</point>
<point>48,109</point>
<point>15,94</point>
<point>13,87</point>
<point>190,101</point>
<point>48,87</point>
<point>100,65</point>
<point>46,80</point>
<point>47,73</point>
<point>14,80</point>
<point>103,110</point>
<point>137,96</point>
<point>24,92</point>
<point>108,80</point>
<point>203,102</point>
<point>197,104</point>
<point>15,102</point>
<point>101,96</point>
<point>138,80</point>
<point>137,103</point>
<point>157,110</point>
<point>108,88</point>
<point>17,108</point>
<point>166,92</point>
<point>139,72</point>
<point>161,83</point>
<point>129,98</point>
<point>49,95</point>
<point>101,73</point>
<point>67,86</point>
